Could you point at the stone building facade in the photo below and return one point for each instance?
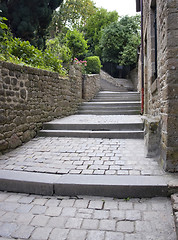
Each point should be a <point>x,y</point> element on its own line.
<point>159,79</point>
<point>29,97</point>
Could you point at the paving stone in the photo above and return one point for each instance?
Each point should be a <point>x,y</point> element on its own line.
<point>111,205</point>
<point>143,226</point>
<point>99,172</point>
<point>53,202</point>
<point>53,211</point>
<point>107,225</point>
<point>126,205</point>
<point>38,209</point>
<point>41,233</point>
<point>9,217</point>
<point>58,233</point>
<point>101,214</point>
<point>133,215</point>
<point>6,229</point>
<point>23,232</point>
<point>140,206</point>
<point>68,212</point>
<point>125,226</point>
<point>9,206</point>
<point>24,208</point>
<point>97,235</point>
<point>134,236</point>
<point>74,223</point>
<point>77,234</point>
<point>81,203</point>
<point>118,214</point>
<point>40,221</point>
<point>90,224</point>
<point>96,204</point>
<point>84,213</point>
<point>2,213</point>
<point>26,199</point>
<point>67,203</point>
<point>13,198</point>
<point>57,222</point>
<point>24,218</point>
<point>3,196</point>
<point>114,236</point>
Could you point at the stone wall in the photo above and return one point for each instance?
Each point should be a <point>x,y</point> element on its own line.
<point>133,76</point>
<point>91,86</point>
<point>161,91</point>
<point>29,97</point>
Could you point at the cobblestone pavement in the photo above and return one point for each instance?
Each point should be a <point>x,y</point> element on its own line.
<point>81,156</point>
<point>33,217</point>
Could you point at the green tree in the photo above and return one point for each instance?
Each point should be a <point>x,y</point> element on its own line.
<point>59,49</point>
<point>119,41</point>
<point>76,43</point>
<point>29,19</point>
<point>94,26</point>
<point>72,14</point>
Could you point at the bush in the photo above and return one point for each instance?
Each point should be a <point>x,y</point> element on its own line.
<point>59,49</point>
<point>76,43</point>
<point>22,52</point>
<point>93,65</point>
<point>25,51</point>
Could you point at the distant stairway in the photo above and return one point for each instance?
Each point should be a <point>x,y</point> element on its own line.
<point>112,103</point>
<point>108,115</point>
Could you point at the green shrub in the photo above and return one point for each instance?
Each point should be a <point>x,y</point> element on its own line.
<point>22,52</point>
<point>76,43</point>
<point>93,65</point>
<point>25,51</point>
<point>59,49</point>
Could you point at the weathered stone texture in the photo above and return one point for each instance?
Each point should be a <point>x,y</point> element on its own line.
<point>29,97</point>
<point>161,94</point>
<point>91,85</point>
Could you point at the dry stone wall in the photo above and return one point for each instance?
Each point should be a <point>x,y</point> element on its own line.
<point>91,86</point>
<point>29,97</point>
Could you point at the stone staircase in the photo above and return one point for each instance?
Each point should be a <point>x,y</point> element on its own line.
<point>107,106</point>
<point>113,103</point>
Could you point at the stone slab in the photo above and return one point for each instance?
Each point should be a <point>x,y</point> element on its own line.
<point>92,134</point>
<point>112,186</point>
<point>88,126</point>
<point>27,182</point>
<point>72,185</point>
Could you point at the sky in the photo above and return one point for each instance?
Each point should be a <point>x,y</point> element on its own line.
<point>123,7</point>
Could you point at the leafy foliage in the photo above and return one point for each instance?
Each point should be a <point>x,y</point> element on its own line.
<point>59,49</point>
<point>94,26</point>
<point>29,19</point>
<point>76,43</point>
<point>22,52</point>
<point>93,65</point>
<point>72,14</point>
<point>119,41</point>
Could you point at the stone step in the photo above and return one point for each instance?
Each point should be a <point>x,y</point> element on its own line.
<point>115,99</point>
<point>91,185</point>
<point>107,93</point>
<point>109,112</point>
<point>96,127</point>
<point>112,104</point>
<point>132,134</point>
<point>113,108</point>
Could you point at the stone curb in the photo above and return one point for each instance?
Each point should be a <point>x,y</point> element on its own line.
<point>72,185</point>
